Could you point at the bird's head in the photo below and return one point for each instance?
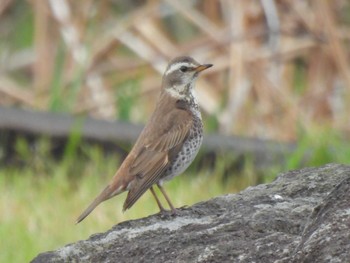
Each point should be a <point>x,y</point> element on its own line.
<point>180,76</point>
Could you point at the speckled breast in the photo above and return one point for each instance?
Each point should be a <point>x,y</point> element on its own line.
<point>188,152</point>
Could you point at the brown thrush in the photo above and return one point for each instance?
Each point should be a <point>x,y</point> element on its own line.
<point>168,143</point>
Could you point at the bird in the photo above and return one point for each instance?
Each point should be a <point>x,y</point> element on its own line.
<point>167,144</point>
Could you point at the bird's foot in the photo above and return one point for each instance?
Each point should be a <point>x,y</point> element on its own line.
<point>165,214</point>
<point>174,212</point>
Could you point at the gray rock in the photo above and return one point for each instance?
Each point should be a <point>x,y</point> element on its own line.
<point>303,216</point>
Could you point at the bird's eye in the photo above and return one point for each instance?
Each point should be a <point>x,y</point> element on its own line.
<point>184,69</point>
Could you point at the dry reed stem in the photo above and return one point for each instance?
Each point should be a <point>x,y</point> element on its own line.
<point>98,93</point>
<point>196,18</point>
<point>256,61</point>
<point>238,83</point>
<point>5,4</point>
<point>43,67</point>
<point>9,88</point>
<point>149,30</point>
<point>337,49</point>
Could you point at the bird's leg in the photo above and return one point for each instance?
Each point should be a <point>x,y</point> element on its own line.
<point>157,200</point>
<point>173,210</point>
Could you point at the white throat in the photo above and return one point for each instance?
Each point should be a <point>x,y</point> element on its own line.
<point>177,92</point>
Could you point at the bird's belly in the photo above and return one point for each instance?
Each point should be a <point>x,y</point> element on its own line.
<point>185,157</point>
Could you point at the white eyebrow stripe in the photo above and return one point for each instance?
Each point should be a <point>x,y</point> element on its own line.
<point>178,65</point>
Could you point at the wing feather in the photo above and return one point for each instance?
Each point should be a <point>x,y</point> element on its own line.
<point>152,159</point>
<point>141,186</point>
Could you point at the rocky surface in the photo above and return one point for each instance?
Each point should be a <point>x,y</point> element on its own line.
<point>303,216</point>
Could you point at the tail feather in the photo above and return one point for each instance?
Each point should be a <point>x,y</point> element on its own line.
<point>104,195</point>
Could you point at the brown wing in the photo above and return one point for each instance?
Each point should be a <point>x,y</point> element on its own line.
<point>154,147</point>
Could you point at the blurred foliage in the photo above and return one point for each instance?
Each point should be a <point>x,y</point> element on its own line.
<point>43,196</point>
<point>105,59</point>
<point>319,146</point>
<point>126,99</point>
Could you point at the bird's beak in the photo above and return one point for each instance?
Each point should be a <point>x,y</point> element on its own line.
<point>202,67</point>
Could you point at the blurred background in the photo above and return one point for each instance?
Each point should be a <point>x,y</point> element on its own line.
<point>277,98</point>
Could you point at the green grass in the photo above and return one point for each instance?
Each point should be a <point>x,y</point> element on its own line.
<point>40,203</point>
<point>319,145</point>
<point>41,197</point>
